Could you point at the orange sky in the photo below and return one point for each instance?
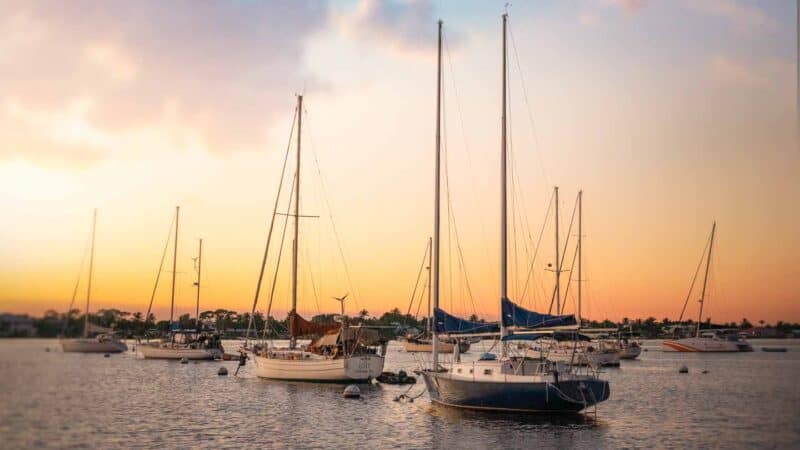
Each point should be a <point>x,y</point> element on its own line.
<point>669,115</point>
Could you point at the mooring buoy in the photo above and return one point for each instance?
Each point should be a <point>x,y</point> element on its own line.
<point>106,355</point>
<point>184,360</point>
<point>705,371</point>
<point>352,391</point>
<point>222,371</point>
<point>683,369</point>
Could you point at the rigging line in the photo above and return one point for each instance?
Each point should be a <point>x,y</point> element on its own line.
<point>339,244</point>
<point>448,204</point>
<point>269,233</point>
<point>569,279</point>
<point>469,157</point>
<point>313,284</point>
<point>528,107</point>
<point>539,241</point>
<point>454,226</point>
<point>280,252</point>
<point>419,275</point>
<point>77,284</point>
<point>694,279</point>
<point>560,264</point>
<point>158,274</point>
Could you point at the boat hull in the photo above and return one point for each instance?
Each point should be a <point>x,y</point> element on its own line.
<point>630,352</point>
<point>705,345</point>
<point>568,396</point>
<point>89,345</point>
<point>580,358</point>
<point>158,352</point>
<point>427,347</point>
<point>335,370</point>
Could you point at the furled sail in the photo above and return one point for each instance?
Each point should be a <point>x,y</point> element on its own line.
<point>299,326</point>
<point>517,316</point>
<point>450,324</point>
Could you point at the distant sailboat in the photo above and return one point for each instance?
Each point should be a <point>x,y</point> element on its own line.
<point>338,352</point>
<point>712,340</point>
<point>423,342</point>
<point>507,383</point>
<point>194,344</point>
<point>102,340</point>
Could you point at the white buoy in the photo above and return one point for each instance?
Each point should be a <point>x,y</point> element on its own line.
<point>184,360</point>
<point>683,369</point>
<point>222,371</point>
<point>352,391</point>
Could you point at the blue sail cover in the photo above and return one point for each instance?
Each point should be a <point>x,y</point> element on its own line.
<point>450,324</point>
<point>517,316</point>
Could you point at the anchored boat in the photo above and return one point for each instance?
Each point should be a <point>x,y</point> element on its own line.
<point>338,352</point>
<point>95,339</point>
<point>709,340</point>
<point>509,382</point>
<point>197,344</point>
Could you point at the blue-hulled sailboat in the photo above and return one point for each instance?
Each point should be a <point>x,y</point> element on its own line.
<point>510,382</point>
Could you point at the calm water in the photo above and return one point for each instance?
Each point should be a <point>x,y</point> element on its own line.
<point>57,400</point>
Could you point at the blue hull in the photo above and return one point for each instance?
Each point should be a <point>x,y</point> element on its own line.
<point>570,396</point>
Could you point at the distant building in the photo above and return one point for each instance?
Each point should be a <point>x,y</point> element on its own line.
<point>13,325</point>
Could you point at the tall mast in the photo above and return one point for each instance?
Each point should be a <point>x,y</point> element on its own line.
<point>580,251</point>
<point>174,267</point>
<point>89,285</point>
<point>436,201</point>
<point>705,278</point>
<point>295,245</point>
<point>503,194</point>
<point>430,312</point>
<point>197,283</point>
<point>558,260</point>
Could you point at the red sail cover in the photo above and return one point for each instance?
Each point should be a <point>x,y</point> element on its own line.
<point>302,327</point>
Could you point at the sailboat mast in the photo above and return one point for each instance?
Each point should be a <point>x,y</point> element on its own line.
<point>430,312</point>
<point>580,252</point>
<point>503,193</point>
<point>705,277</point>
<point>174,267</point>
<point>558,260</point>
<point>89,284</point>
<point>199,270</point>
<point>296,243</point>
<point>436,201</point>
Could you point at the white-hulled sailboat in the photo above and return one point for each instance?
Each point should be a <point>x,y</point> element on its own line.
<point>338,352</point>
<point>507,383</point>
<point>707,341</point>
<point>95,339</point>
<point>197,344</point>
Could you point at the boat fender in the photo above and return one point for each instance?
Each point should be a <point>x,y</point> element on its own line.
<point>401,375</point>
<point>555,377</point>
<point>352,391</point>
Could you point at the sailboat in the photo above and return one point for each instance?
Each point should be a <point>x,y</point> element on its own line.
<point>95,339</point>
<point>714,340</point>
<point>423,342</point>
<point>574,348</point>
<point>339,352</point>
<point>194,344</point>
<point>507,383</point>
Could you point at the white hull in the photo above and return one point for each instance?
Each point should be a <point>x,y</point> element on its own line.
<point>580,358</point>
<point>701,344</point>
<point>320,368</point>
<point>90,345</point>
<point>630,352</point>
<point>177,352</point>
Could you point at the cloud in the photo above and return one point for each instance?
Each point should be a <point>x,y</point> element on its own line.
<point>727,70</point>
<point>99,75</point>
<point>630,6</point>
<point>744,17</point>
<point>405,26</point>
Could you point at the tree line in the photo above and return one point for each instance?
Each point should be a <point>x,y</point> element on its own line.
<point>393,323</point>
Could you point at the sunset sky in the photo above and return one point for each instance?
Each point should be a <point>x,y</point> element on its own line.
<point>668,114</point>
